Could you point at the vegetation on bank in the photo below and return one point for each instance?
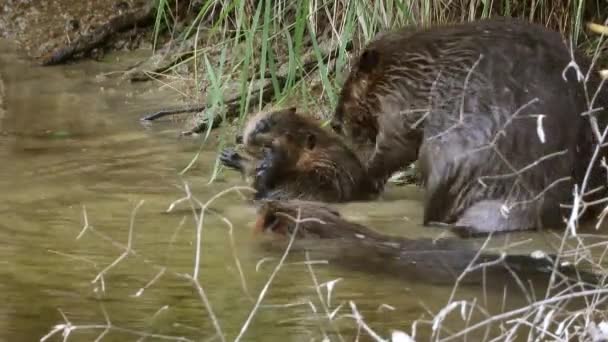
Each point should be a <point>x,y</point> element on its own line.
<point>299,51</point>
<point>230,58</point>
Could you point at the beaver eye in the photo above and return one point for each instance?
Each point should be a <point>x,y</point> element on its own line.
<point>262,126</point>
<point>336,126</point>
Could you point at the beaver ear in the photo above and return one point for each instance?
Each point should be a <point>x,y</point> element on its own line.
<point>311,141</point>
<point>369,60</point>
<point>291,110</point>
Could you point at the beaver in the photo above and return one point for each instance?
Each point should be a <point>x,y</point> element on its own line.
<point>290,156</point>
<point>433,260</point>
<point>494,111</point>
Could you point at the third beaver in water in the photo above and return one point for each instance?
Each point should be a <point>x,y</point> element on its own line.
<point>433,260</point>
<point>290,156</point>
<point>495,111</point>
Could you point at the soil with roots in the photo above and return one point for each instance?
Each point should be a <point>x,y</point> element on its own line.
<point>41,26</point>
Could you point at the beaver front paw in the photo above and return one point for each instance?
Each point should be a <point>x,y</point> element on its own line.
<point>266,165</point>
<point>230,158</point>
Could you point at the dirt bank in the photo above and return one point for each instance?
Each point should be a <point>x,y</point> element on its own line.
<point>40,26</point>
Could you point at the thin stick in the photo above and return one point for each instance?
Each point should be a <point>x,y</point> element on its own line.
<point>524,309</point>
<point>270,279</point>
<point>128,248</point>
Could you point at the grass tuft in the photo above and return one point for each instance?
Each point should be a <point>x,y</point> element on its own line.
<point>268,41</point>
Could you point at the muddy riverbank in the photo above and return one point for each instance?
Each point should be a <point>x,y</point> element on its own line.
<point>40,26</point>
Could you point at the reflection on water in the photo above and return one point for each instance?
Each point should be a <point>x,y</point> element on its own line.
<point>71,147</point>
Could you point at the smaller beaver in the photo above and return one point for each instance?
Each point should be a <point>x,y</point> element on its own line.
<point>290,156</point>
<point>433,260</point>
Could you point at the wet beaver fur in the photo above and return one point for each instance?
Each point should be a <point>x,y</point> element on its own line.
<point>433,260</point>
<point>290,156</point>
<point>464,100</point>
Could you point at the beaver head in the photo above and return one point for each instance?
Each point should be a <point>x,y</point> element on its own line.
<point>266,127</point>
<point>379,83</point>
<point>355,113</point>
<point>312,220</point>
<point>262,124</point>
<point>292,155</point>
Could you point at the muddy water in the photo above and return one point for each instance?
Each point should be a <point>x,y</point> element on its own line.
<point>71,147</point>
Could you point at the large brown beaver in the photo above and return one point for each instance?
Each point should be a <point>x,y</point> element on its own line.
<point>493,112</point>
<point>433,260</point>
<point>290,156</point>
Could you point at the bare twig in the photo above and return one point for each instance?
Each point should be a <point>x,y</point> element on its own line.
<point>270,279</point>
<point>128,247</point>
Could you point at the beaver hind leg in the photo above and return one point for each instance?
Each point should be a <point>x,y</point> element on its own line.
<point>489,216</point>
